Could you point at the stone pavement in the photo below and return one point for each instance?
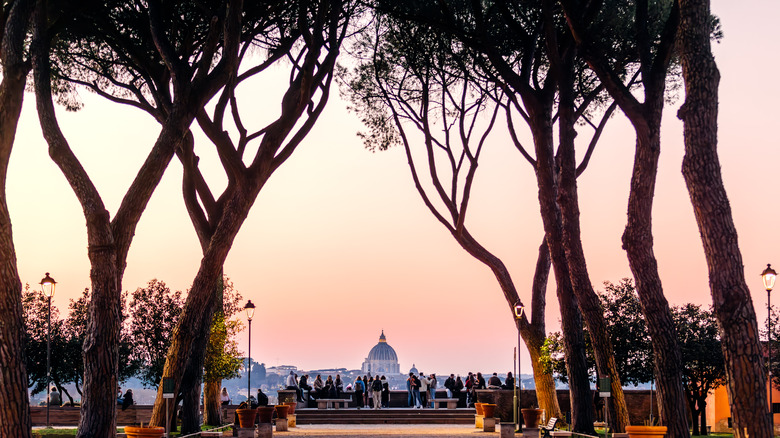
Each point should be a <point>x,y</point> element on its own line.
<point>393,430</point>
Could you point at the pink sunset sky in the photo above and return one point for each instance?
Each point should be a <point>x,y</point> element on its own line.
<point>339,246</point>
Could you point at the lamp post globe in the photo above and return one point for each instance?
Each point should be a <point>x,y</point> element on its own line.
<point>519,312</point>
<point>768,276</point>
<point>250,312</point>
<point>47,286</point>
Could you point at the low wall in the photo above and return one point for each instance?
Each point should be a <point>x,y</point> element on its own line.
<point>69,416</point>
<point>637,402</point>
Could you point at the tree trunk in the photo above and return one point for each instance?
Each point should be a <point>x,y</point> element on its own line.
<point>638,243</point>
<point>638,238</point>
<point>568,203</point>
<point>191,333</point>
<point>694,415</point>
<point>190,420</point>
<point>731,298</point>
<point>193,376</point>
<point>101,343</point>
<point>14,400</point>
<point>211,403</point>
<point>571,318</point>
<point>703,409</point>
<point>533,334</point>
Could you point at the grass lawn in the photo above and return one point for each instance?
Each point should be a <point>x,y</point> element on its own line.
<point>64,433</point>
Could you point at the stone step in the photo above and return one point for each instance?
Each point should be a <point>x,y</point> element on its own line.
<point>385,416</point>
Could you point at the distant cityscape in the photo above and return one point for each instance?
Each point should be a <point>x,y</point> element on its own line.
<point>381,359</point>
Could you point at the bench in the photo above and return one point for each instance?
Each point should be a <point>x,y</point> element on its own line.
<point>327,403</point>
<point>452,403</point>
<point>544,431</point>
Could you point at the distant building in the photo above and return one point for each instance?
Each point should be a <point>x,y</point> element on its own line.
<point>282,370</point>
<point>381,359</point>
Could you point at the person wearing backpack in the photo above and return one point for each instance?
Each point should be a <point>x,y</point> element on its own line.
<point>359,388</point>
<point>376,387</point>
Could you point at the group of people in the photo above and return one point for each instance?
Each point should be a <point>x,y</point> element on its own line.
<point>126,400</point>
<point>330,388</point>
<point>372,391</point>
<point>260,400</point>
<point>420,390</point>
<point>474,382</point>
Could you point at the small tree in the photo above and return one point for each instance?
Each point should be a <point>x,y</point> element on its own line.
<point>628,333</point>
<point>223,360</point>
<point>154,311</point>
<point>704,368</point>
<point>35,308</point>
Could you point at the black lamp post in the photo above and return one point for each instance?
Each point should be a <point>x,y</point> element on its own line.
<point>769,276</point>
<point>519,310</point>
<point>47,284</point>
<point>250,312</point>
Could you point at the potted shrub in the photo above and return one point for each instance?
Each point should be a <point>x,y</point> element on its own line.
<point>265,414</point>
<point>144,432</point>
<point>531,416</point>
<point>246,418</point>
<point>281,411</point>
<point>645,431</point>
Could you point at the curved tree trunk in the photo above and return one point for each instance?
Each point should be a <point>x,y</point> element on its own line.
<point>701,168</point>
<point>191,333</point>
<point>638,243</point>
<point>14,400</point>
<point>533,334</point>
<point>571,318</point>
<point>568,203</point>
<point>190,420</point>
<point>654,57</point>
<point>193,375</point>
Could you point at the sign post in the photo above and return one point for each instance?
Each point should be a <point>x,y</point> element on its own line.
<point>605,390</point>
<point>168,394</point>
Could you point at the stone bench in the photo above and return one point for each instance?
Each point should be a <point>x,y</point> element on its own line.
<point>327,403</point>
<point>452,403</point>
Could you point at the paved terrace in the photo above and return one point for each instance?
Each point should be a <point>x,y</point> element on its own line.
<point>394,430</point>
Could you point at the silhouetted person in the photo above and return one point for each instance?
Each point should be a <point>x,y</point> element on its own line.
<point>127,400</point>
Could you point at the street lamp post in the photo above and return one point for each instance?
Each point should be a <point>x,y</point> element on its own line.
<point>769,276</point>
<point>519,310</point>
<point>47,284</point>
<point>250,312</point>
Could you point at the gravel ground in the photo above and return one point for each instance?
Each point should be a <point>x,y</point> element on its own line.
<point>398,431</point>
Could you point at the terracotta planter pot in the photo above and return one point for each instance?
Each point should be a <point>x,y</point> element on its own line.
<point>265,414</point>
<point>144,432</point>
<point>478,406</point>
<point>246,418</point>
<point>292,406</point>
<point>531,417</point>
<point>645,431</point>
<point>282,411</point>
<point>488,410</point>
